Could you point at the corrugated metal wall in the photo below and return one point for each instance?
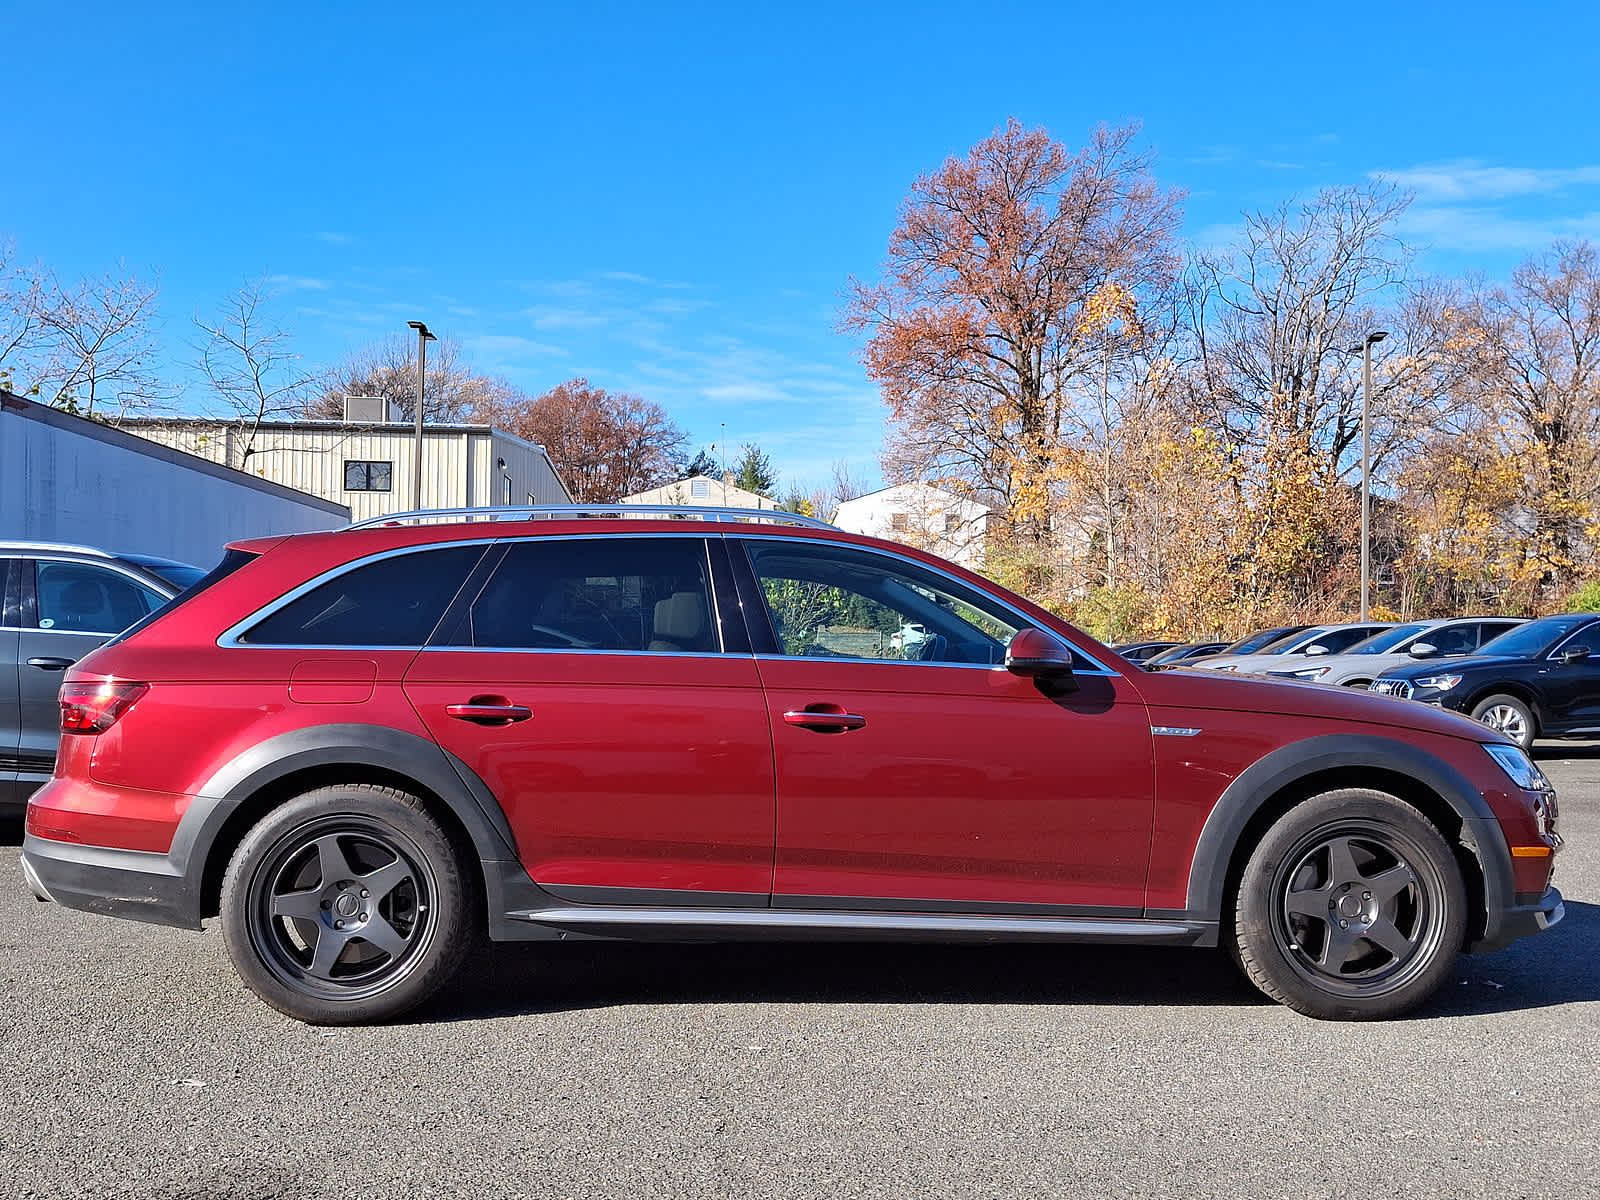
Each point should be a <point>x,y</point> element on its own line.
<point>459,467</point>
<point>66,480</point>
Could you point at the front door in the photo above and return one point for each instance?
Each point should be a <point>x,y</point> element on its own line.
<point>592,687</point>
<point>914,771</point>
<point>1573,687</point>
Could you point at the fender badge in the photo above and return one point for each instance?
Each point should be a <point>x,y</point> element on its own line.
<point>1172,731</point>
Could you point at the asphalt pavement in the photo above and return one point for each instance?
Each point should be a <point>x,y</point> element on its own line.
<point>134,1064</point>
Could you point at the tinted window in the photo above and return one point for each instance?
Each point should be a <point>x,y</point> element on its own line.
<point>1256,642</point>
<point>647,594</point>
<point>1389,639</point>
<point>1490,630</point>
<point>394,601</point>
<point>1339,640</point>
<point>81,598</point>
<point>179,575</point>
<point>232,560</point>
<point>1535,636</point>
<point>1452,639</point>
<point>1589,638</point>
<point>835,602</point>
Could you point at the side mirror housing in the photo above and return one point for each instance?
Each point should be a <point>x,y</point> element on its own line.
<point>1574,654</point>
<point>1423,650</point>
<point>1038,656</point>
<point>1313,651</point>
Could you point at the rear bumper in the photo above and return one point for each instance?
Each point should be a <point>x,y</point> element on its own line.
<point>1506,925</point>
<point>121,883</point>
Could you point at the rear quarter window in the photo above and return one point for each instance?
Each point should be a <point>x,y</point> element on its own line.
<point>391,601</point>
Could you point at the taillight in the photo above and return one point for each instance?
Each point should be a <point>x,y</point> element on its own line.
<point>96,707</point>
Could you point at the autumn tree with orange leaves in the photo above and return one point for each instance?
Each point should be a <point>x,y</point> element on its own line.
<point>1014,277</point>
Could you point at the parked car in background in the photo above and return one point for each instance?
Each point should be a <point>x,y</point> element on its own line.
<point>1400,646</point>
<point>57,603</point>
<point>1142,652</point>
<point>362,750</point>
<point>1178,655</point>
<point>1312,641</point>
<point>1254,643</point>
<point>1541,679</point>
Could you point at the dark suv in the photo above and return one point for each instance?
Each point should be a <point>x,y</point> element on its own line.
<point>362,749</point>
<point>57,603</point>
<point>1541,679</point>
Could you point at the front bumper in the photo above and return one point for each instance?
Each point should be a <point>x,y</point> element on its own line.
<point>120,883</point>
<point>1506,925</point>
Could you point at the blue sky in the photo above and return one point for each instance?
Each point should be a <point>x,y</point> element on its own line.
<point>669,199</point>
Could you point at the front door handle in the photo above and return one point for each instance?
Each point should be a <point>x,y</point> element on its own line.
<point>47,663</point>
<point>489,710</point>
<point>824,718</point>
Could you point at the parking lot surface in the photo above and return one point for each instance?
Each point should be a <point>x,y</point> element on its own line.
<point>135,1064</point>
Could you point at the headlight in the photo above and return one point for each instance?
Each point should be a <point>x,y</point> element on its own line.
<point>1439,683</point>
<point>1519,768</point>
<point>1229,667</point>
<point>1309,673</point>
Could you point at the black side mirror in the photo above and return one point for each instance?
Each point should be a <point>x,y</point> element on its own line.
<point>1574,654</point>
<point>1037,655</point>
<point>1423,650</point>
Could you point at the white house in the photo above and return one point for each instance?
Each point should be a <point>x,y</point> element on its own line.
<point>921,515</point>
<point>367,465</point>
<point>701,491</point>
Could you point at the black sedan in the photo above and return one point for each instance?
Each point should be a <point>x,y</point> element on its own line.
<point>1541,679</point>
<point>1179,655</point>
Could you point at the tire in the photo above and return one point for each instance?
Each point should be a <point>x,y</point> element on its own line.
<point>369,860</point>
<point>1363,684</point>
<point>1380,866</point>
<point>1510,716</point>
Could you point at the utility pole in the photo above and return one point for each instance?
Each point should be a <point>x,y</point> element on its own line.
<point>1371,340</point>
<point>423,338</point>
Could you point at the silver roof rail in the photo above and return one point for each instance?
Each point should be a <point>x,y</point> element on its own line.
<point>556,512</point>
<point>7,545</point>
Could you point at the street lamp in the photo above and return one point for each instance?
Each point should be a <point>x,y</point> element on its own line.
<point>423,338</point>
<point>1371,340</point>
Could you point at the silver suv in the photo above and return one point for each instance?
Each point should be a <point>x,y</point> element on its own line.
<point>57,603</point>
<point>1397,647</point>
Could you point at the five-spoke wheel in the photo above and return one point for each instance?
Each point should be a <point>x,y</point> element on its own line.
<point>346,904</point>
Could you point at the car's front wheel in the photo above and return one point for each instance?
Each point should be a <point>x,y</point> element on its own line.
<point>1351,907</point>
<point>346,905</point>
<point>1510,716</point>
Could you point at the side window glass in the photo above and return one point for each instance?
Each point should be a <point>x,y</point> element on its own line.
<point>395,601</point>
<point>1453,639</point>
<point>1341,639</point>
<point>81,598</point>
<point>640,594</point>
<point>838,602</point>
<point>1589,637</point>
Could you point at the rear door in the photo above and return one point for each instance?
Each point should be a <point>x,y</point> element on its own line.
<point>10,701</point>
<point>68,608</point>
<point>594,686</point>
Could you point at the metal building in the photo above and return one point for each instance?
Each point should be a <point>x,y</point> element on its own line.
<point>67,479</point>
<point>367,464</point>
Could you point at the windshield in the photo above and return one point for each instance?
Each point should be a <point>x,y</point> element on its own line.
<point>1527,640</point>
<point>1261,639</point>
<point>180,575</point>
<point>1379,643</point>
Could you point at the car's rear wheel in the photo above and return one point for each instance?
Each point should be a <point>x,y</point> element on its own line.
<point>346,905</point>
<point>1351,907</point>
<point>1510,716</point>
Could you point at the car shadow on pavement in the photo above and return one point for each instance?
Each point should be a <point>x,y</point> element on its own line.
<point>11,829</point>
<point>527,978</point>
<point>1557,967</point>
<point>1556,751</point>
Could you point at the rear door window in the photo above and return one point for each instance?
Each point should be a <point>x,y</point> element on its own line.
<point>394,601</point>
<point>77,597</point>
<point>633,594</point>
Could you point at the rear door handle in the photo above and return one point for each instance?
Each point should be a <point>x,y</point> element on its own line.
<point>50,664</point>
<point>484,711</point>
<point>824,718</point>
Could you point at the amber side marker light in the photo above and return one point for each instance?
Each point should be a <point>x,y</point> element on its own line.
<point>96,707</point>
<point>1531,851</point>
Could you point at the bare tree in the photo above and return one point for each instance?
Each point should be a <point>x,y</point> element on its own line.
<point>96,344</point>
<point>389,369</point>
<point>249,369</point>
<point>19,313</point>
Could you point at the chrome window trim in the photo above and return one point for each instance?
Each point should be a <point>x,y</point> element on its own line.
<point>1556,649</point>
<point>231,638</point>
<point>107,563</point>
<point>720,654</point>
<point>1027,621</point>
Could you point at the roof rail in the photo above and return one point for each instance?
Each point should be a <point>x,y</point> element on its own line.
<point>7,544</point>
<point>556,512</point>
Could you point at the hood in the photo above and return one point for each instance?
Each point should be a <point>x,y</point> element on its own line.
<point>1294,697</point>
<point>1438,666</point>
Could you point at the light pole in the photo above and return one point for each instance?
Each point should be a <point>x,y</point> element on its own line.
<point>423,338</point>
<point>1371,340</point>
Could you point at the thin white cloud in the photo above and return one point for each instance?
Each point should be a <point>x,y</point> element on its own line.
<point>1470,179</point>
<point>334,239</point>
<point>1476,228</point>
<point>297,283</point>
<point>510,346</point>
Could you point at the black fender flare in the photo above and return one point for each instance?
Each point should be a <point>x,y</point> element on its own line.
<point>1242,799</point>
<point>406,754</point>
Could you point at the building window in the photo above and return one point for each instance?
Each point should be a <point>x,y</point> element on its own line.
<point>951,522</point>
<point>361,476</point>
<point>505,491</point>
<point>899,522</point>
<point>699,489</point>
<point>531,500</point>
